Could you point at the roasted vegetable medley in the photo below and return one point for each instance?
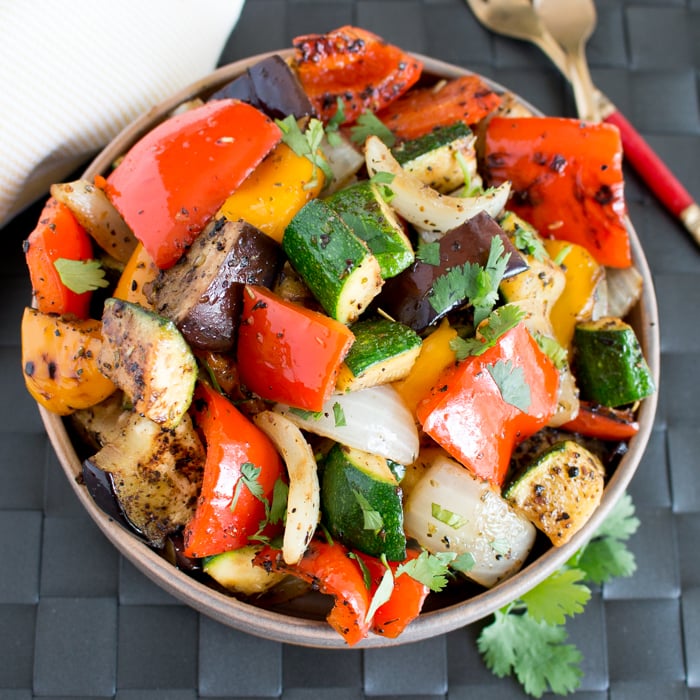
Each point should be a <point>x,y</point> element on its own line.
<point>343,326</point>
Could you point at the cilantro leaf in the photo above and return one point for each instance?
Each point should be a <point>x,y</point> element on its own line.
<point>473,282</point>
<point>429,569</point>
<point>81,275</point>
<point>383,592</point>
<point>307,144</point>
<point>533,650</point>
<point>561,256</point>
<point>366,576</point>
<point>278,507</point>
<point>335,122</point>
<point>528,242</point>
<point>339,415</point>
<point>306,414</point>
<point>499,322</point>
<point>383,181</point>
<point>372,519</point>
<point>463,562</point>
<point>428,252</point>
<point>369,125</point>
<point>560,595</point>
<point>621,523</point>
<point>511,383</point>
<point>606,558</point>
<point>249,479</point>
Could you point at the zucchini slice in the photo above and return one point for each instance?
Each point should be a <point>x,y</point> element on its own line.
<point>559,491</point>
<point>336,265</point>
<point>235,571</point>
<point>433,158</point>
<point>609,364</point>
<point>362,503</point>
<point>146,356</point>
<point>384,351</point>
<point>362,207</point>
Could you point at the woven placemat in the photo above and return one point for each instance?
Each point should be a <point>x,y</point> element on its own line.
<point>77,620</point>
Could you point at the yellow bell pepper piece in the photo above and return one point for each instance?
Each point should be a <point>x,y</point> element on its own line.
<point>276,190</point>
<point>584,277</point>
<point>138,271</point>
<point>435,356</point>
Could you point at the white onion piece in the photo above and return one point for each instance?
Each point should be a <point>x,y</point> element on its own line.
<point>376,420</point>
<point>624,290</point>
<point>97,215</point>
<point>304,500</point>
<point>344,161</point>
<point>424,207</point>
<point>484,524</point>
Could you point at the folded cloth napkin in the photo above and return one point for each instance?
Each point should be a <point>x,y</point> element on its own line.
<point>75,74</point>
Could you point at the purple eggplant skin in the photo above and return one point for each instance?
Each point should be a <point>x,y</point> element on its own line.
<point>202,293</point>
<point>271,86</point>
<point>101,489</point>
<point>406,297</point>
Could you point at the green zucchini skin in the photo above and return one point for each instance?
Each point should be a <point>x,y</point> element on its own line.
<point>432,157</point>
<point>559,490</point>
<point>609,363</point>
<point>384,351</point>
<point>335,264</point>
<point>234,570</point>
<point>362,207</point>
<point>146,356</point>
<point>344,476</point>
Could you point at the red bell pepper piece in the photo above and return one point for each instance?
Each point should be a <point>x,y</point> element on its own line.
<point>172,181</point>
<point>407,597</point>
<point>232,441</point>
<point>566,179</point>
<point>602,422</point>
<point>467,99</point>
<point>329,569</point>
<point>288,353</point>
<point>466,411</point>
<point>352,64</point>
<point>57,235</point>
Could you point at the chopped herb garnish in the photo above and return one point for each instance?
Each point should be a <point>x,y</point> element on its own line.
<point>428,252</point>
<point>306,415</point>
<point>383,592</point>
<point>383,181</point>
<point>369,125</point>
<point>499,322</point>
<point>335,122</point>
<point>511,382</point>
<point>81,275</point>
<point>561,255</point>
<point>339,415</point>
<point>278,508</point>
<point>528,242</point>
<point>306,144</point>
<point>372,519</point>
<point>550,347</point>
<point>249,479</point>
<point>431,570</point>
<point>447,517</point>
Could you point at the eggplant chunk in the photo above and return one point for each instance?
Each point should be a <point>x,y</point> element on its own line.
<point>271,86</point>
<point>201,294</point>
<point>406,297</point>
<point>148,477</point>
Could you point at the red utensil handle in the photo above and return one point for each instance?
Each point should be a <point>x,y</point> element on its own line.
<point>650,167</point>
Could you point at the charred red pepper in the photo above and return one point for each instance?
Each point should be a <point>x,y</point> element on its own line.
<point>57,235</point>
<point>465,99</point>
<point>474,417</point>
<point>407,597</point>
<point>602,422</point>
<point>228,511</point>
<point>330,570</point>
<point>288,353</point>
<point>176,177</point>
<point>352,64</point>
<point>566,180</point>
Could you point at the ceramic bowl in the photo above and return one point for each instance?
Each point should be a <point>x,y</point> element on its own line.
<point>302,622</point>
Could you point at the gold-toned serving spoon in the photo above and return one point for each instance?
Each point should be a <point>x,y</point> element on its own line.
<point>520,20</point>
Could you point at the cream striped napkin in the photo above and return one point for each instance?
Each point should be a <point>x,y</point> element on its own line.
<point>74,74</point>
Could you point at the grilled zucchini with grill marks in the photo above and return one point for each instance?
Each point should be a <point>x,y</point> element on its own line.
<point>146,356</point>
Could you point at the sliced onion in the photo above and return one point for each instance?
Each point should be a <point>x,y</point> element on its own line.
<point>375,420</point>
<point>344,161</point>
<point>424,207</point>
<point>624,290</point>
<point>96,214</point>
<point>304,500</point>
<point>449,510</point>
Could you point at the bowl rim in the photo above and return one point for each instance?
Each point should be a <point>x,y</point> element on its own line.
<point>285,628</point>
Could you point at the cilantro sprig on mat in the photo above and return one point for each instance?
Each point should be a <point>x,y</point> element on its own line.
<point>528,638</point>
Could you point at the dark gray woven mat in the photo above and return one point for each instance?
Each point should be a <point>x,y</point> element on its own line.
<point>77,620</point>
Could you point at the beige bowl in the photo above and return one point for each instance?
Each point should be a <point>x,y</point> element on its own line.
<point>303,622</point>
